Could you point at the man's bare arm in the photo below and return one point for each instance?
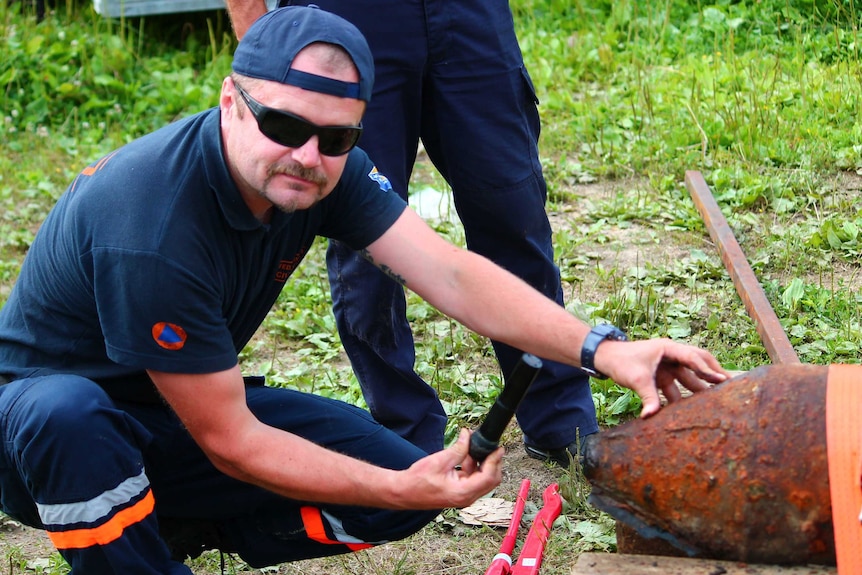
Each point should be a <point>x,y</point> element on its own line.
<point>213,408</point>
<point>495,303</point>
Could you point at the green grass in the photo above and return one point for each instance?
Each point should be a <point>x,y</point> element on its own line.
<point>762,97</point>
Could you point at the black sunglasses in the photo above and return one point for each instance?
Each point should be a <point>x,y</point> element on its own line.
<point>292,131</point>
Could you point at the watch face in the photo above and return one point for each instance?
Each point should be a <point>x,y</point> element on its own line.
<point>604,329</point>
<point>609,331</point>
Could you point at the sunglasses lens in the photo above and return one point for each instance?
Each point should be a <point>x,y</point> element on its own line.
<point>337,141</point>
<point>285,129</point>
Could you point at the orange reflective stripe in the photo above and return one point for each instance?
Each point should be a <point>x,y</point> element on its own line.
<point>313,521</point>
<point>844,451</point>
<point>107,532</point>
<point>314,524</point>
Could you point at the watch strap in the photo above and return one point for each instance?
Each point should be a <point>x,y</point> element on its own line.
<point>596,336</point>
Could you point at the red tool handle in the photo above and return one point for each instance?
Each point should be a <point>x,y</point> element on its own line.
<point>531,555</point>
<point>502,562</point>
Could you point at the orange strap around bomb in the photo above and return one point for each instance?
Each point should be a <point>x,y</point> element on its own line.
<point>844,451</point>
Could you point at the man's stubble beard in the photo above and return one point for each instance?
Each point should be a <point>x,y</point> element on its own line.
<point>293,169</point>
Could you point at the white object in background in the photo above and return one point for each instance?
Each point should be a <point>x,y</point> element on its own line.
<point>432,204</point>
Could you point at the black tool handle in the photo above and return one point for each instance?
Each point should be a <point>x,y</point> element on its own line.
<point>487,438</point>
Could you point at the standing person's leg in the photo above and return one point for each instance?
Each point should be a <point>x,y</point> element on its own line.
<point>71,463</point>
<point>370,313</point>
<point>481,130</point>
<point>262,527</point>
<point>370,308</point>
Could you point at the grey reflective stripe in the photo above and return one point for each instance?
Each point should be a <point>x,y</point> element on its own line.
<point>96,508</point>
<point>340,534</point>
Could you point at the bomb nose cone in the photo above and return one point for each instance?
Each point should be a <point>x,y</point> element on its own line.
<point>738,472</point>
<point>591,446</point>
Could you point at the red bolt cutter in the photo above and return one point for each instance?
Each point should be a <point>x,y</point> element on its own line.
<point>530,558</point>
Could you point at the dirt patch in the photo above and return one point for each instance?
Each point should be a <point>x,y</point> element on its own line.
<point>22,546</point>
<point>628,242</point>
<point>614,243</point>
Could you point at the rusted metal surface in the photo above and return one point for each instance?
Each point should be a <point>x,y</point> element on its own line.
<point>738,472</point>
<point>630,542</point>
<point>768,327</point>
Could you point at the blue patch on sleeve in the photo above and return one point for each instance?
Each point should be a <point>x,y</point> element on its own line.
<point>381,180</point>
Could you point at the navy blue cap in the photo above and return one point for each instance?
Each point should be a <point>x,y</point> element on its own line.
<point>268,48</point>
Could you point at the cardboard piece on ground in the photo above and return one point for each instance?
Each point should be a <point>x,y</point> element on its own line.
<point>491,511</point>
<point>621,564</point>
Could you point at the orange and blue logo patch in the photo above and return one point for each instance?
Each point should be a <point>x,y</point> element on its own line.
<point>169,335</point>
<point>381,180</point>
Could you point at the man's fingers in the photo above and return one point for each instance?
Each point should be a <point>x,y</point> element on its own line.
<point>463,463</point>
<point>669,389</point>
<point>461,447</point>
<point>493,464</point>
<point>704,364</point>
<point>690,380</point>
<point>651,402</point>
<point>667,362</point>
<point>463,443</point>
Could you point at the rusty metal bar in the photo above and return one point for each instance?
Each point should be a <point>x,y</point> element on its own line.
<point>766,322</point>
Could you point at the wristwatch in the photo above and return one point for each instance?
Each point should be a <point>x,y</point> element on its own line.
<point>596,336</point>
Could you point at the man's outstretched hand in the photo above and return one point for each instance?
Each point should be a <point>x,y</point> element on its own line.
<point>648,366</point>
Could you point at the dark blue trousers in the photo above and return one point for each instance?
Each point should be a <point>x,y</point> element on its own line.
<point>451,73</point>
<point>98,475</point>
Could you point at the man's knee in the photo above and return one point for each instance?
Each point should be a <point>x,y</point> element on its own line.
<point>383,526</point>
<point>410,522</point>
<point>66,422</point>
<point>52,404</point>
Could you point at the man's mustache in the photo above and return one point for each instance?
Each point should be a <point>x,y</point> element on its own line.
<point>297,170</point>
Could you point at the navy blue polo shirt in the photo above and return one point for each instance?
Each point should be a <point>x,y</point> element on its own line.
<point>151,260</point>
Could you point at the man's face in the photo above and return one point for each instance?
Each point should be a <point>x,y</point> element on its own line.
<point>270,174</point>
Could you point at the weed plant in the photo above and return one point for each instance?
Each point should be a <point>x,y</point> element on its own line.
<point>761,96</point>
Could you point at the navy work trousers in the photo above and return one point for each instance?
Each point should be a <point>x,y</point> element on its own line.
<point>99,475</point>
<point>451,73</point>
